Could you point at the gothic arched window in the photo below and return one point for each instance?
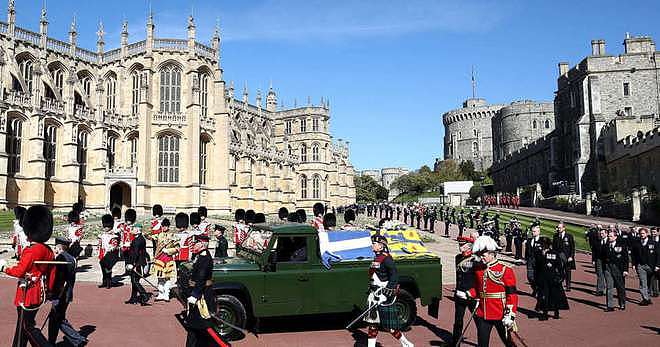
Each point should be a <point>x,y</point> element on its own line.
<point>13,145</point>
<point>315,152</point>
<point>303,153</point>
<point>25,66</point>
<point>50,149</point>
<point>170,89</point>
<point>82,154</point>
<point>111,93</point>
<point>204,93</point>
<point>316,187</point>
<point>303,187</point>
<point>168,159</point>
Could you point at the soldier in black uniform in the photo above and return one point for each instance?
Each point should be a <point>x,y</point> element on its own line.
<point>471,216</point>
<point>418,215</point>
<point>405,215</point>
<point>615,264</point>
<point>464,281</point>
<point>532,250</point>
<point>447,222</point>
<point>222,245</point>
<point>508,235</point>
<point>646,261</point>
<point>453,215</point>
<point>65,279</point>
<point>369,209</point>
<point>398,212</point>
<point>549,276</point>
<point>461,224</point>
<point>564,244</point>
<point>518,237</point>
<point>496,226</point>
<point>433,216</point>
<point>198,321</point>
<point>427,216</point>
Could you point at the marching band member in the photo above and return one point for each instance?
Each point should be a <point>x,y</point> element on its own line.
<point>137,259</point>
<point>204,224</point>
<point>75,233</point>
<point>108,251</point>
<point>181,221</point>
<point>317,222</point>
<point>164,268</point>
<point>495,290</point>
<point>34,279</point>
<point>383,290</point>
<point>240,228</point>
<point>157,213</point>
<point>19,240</point>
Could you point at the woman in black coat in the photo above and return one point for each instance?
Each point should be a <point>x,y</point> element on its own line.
<point>549,277</point>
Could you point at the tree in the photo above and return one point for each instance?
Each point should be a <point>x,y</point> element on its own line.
<point>368,190</point>
<point>424,179</point>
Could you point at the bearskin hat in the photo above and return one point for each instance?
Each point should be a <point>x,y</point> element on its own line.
<point>239,215</point>
<point>249,216</point>
<point>260,218</point>
<point>181,220</point>
<point>203,212</point>
<point>78,207</point>
<point>130,215</point>
<point>292,217</point>
<point>165,222</point>
<point>107,221</point>
<point>283,213</point>
<point>38,223</point>
<point>349,216</point>
<point>195,219</point>
<point>318,209</point>
<point>302,215</point>
<point>116,212</point>
<point>19,212</point>
<point>73,217</point>
<point>157,210</point>
<point>329,221</point>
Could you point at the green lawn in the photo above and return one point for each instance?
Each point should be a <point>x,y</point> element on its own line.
<point>6,221</point>
<point>547,227</point>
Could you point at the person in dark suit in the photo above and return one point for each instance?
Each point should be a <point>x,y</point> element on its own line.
<point>137,259</point>
<point>222,245</point>
<point>564,244</point>
<point>615,264</point>
<point>549,277</point>
<point>532,250</point>
<point>65,279</point>
<point>645,259</point>
<point>597,261</point>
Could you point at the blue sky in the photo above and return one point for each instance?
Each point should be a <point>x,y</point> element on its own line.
<point>389,68</point>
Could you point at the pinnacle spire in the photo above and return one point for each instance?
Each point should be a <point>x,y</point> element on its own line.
<point>73,25</point>
<point>43,13</point>
<point>101,32</point>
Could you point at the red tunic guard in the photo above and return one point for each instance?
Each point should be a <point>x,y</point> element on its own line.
<point>39,277</point>
<point>495,288</point>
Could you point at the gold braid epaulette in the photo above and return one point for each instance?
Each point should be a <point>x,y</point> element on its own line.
<point>495,276</point>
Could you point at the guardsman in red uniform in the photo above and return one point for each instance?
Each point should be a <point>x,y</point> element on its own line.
<point>155,227</point>
<point>35,280</point>
<point>317,222</point>
<point>495,290</point>
<point>75,233</point>
<point>204,225</point>
<point>108,251</point>
<point>181,221</point>
<point>240,228</point>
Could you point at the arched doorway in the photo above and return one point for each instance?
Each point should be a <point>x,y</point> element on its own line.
<point>120,196</point>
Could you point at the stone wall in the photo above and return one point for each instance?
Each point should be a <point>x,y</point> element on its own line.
<point>519,124</point>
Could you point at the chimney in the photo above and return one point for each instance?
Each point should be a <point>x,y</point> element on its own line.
<point>563,68</point>
<point>597,47</point>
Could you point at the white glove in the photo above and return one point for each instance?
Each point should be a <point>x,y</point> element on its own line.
<point>129,267</point>
<point>508,319</point>
<point>3,265</point>
<point>461,294</point>
<point>55,302</point>
<point>192,300</point>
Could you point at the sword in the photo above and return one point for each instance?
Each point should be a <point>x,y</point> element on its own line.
<point>460,339</point>
<point>142,277</point>
<point>516,339</point>
<point>366,311</point>
<point>228,324</point>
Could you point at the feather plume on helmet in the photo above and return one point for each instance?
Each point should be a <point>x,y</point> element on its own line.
<point>484,244</point>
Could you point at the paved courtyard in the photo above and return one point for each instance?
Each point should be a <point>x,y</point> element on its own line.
<point>102,314</point>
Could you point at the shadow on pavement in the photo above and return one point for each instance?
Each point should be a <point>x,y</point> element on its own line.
<point>653,329</point>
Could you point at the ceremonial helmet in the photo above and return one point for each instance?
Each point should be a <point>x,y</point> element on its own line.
<point>195,219</point>
<point>329,220</point>
<point>318,209</point>
<point>165,222</point>
<point>19,212</point>
<point>181,220</point>
<point>283,213</point>
<point>130,216</point>
<point>260,218</point>
<point>116,212</point>
<point>203,212</point>
<point>484,244</point>
<point>157,210</point>
<point>107,221</point>
<point>38,223</point>
<point>349,216</point>
<point>239,215</point>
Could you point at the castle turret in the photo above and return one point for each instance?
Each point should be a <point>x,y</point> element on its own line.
<point>271,99</point>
